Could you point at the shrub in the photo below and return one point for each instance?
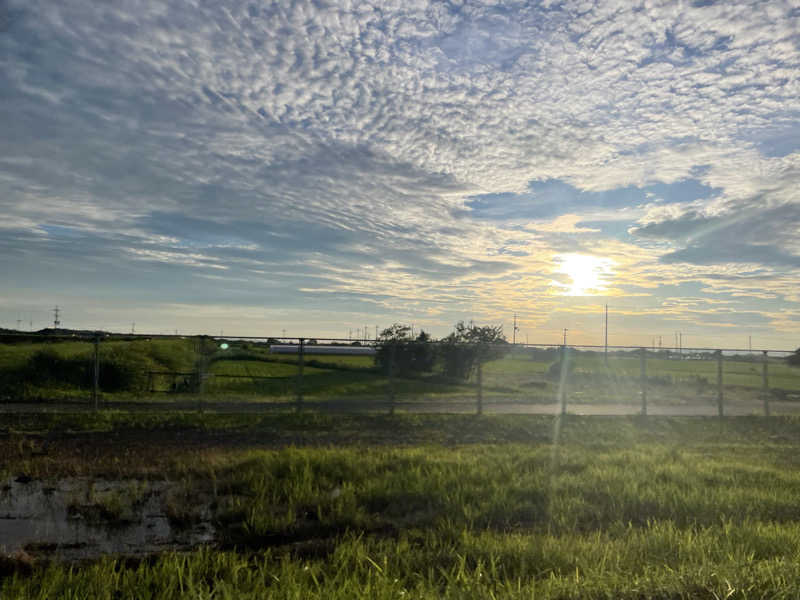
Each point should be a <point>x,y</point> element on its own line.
<point>469,345</point>
<point>121,369</point>
<point>404,355</point>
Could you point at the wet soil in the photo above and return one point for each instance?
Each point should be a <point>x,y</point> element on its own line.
<point>81,518</point>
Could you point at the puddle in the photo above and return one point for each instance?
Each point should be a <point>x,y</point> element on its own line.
<point>81,518</point>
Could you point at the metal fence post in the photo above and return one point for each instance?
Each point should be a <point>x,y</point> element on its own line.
<point>562,387</point>
<point>390,382</point>
<point>720,398</point>
<point>643,370</point>
<point>201,374</point>
<point>300,358</point>
<point>765,384</point>
<point>96,374</point>
<point>480,388</point>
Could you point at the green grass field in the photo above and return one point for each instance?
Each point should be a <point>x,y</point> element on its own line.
<point>440,507</point>
<point>163,370</point>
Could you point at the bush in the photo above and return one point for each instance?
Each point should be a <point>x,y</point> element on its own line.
<point>121,369</point>
<point>555,368</point>
<point>468,346</point>
<point>402,354</point>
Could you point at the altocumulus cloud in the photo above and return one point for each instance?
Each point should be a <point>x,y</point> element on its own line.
<point>358,155</point>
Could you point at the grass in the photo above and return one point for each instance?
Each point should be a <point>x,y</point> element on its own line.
<point>321,506</point>
<point>248,372</point>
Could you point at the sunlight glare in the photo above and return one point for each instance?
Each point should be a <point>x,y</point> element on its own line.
<point>588,274</point>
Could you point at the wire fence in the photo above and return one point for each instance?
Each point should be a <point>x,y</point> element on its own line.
<point>98,371</point>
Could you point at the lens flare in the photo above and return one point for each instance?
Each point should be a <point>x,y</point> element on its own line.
<point>589,274</point>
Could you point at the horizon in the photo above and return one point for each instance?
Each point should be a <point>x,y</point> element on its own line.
<point>245,167</point>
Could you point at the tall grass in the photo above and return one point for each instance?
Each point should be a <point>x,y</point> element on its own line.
<point>625,508</point>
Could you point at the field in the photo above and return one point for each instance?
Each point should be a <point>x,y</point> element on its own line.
<point>191,372</point>
<point>435,506</point>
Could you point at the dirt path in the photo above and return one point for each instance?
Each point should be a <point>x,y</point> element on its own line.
<point>426,406</point>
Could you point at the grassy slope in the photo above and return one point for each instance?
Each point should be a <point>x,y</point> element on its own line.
<point>619,508</point>
<point>514,377</point>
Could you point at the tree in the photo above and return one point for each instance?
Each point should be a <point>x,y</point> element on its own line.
<point>794,359</point>
<point>469,345</point>
<point>405,356</point>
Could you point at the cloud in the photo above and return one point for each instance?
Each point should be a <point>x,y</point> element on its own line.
<point>382,153</point>
<point>756,235</point>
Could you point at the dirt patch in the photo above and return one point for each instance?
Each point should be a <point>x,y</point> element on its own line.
<point>82,518</point>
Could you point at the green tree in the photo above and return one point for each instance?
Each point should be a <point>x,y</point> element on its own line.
<point>406,355</point>
<point>794,359</point>
<point>468,345</point>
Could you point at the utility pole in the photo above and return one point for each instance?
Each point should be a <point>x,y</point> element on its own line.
<point>565,336</point>
<point>750,343</point>
<point>350,334</point>
<point>56,322</point>
<point>133,328</point>
<point>514,337</point>
<point>376,333</point>
<point>680,343</point>
<point>19,321</point>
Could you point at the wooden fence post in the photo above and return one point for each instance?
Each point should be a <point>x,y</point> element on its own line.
<point>765,384</point>
<point>300,360</point>
<point>643,374</point>
<point>720,397</point>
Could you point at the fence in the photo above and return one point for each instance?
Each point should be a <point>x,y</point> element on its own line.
<point>93,370</point>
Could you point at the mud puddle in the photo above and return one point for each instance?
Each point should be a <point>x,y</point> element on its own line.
<point>81,518</point>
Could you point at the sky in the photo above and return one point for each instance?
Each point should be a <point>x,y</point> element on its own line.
<point>313,167</point>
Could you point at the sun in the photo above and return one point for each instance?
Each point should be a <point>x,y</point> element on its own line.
<point>588,273</point>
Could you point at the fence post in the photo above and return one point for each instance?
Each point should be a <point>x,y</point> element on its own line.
<point>390,383</point>
<point>720,398</point>
<point>480,388</point>
<point>643,370</point>
<point>201,375</point>
<point>96,374</point>
<point>562,387</point>
<point>300,358</point>
<point>765,384</point>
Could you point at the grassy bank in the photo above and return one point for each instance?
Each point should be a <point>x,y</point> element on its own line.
<point>167,370</point>
<point>321,506</point>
